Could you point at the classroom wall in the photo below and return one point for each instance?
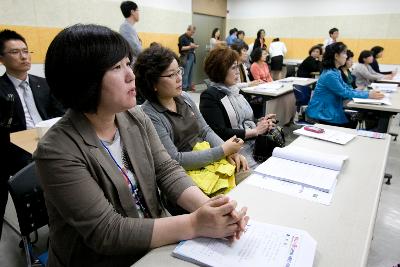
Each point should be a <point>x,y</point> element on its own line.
<point>303,23</point>
<point>40,20</point>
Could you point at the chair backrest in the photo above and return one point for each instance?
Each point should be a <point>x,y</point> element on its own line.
<point>302,94</point>
<point>290,70</point>
<point>28,199</point>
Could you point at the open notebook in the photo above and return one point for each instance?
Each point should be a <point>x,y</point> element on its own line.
<point>302,166</point>
<point>261,245</point>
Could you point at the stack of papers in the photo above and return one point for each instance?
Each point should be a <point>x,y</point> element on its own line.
<point>305,167</point>
<point>296,190</point>
<point>272,86</point>
<point>294,79</point>
<point>328,135</point>
<point>383,101</point>
<point>261,245</point>
<point>385,87</point>
<point>370,134</point>
<point>43,126</point>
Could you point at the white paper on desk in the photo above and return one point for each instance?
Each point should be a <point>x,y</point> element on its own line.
<point>295,79</point>
<point>384,101</point>
<point>261,245</point>
<point>291,189</point>
<point>328,135</point>
<point>385,87</point>
<point>271,86</point>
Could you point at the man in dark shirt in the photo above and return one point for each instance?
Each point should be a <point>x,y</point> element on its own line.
<point>25,100</point>
<point>187,56</point>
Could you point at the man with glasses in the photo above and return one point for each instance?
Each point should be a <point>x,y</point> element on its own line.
<point>25,100</point>
<point>130,11</point>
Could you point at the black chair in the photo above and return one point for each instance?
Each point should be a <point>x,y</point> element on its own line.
<point>31,210</point>
<point>303,95</point>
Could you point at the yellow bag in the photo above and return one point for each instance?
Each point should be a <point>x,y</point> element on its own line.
<point>215,178</point>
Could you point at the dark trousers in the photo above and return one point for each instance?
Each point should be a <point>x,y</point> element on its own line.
<point>12,159</point>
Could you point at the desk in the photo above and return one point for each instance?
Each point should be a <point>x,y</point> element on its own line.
<point>396,80</point>
<point>26,140</point>
<point>282,101</point>
<point>343,230</point>
<point>384,111</point>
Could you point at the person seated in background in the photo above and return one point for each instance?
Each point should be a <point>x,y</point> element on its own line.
<point>277,51</point>
<point>347,76</point>
<point>259,69</point>
<point>312,64</point>
<point>230,40</point>
<point>215,38</point>
<point>326,104</point>
<point>243,78</point>
<point>260,40</point>
<point>256,102</point>
<point>25,100</point>
<point>175,116</point>
<point>224,108</point>
<point>102,165</point>
<point>240,37</point>
<point>377,52</point>
<point>364,73</point>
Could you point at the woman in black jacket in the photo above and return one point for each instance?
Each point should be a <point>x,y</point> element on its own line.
<point>312,63</point>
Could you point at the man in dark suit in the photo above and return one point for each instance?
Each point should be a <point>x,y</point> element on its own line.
<point>24,101</point>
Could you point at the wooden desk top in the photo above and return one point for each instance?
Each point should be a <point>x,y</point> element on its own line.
<point>26,140</point>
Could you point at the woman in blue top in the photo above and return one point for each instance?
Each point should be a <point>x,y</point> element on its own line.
<point>326,105</point>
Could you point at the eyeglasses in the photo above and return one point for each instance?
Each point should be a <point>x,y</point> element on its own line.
<point>179,72</point>
<point>17,52</point>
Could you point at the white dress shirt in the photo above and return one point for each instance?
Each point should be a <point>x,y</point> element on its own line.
<point>16,82</point>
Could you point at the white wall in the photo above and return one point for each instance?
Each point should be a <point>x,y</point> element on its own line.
<point>304,8</point>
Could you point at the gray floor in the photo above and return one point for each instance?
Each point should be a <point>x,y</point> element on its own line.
<point>385,247</point>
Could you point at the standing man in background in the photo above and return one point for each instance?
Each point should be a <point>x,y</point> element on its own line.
<point>187,58</point>
<point>333,36</point>
<point>127,30</point>
<point>25,100</point>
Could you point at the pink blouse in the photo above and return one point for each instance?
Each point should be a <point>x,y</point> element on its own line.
<point>260,72</point>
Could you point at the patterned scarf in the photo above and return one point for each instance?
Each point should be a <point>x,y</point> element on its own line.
<point>244,113</point>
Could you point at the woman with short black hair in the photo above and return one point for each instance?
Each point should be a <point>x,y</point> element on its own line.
<point>102,165</point>
<point>326,105</point>
<point>312,64</point>
<point>364,73</point>
<point>377,52</point>
<point>259,69</point>
<point>347,76</point>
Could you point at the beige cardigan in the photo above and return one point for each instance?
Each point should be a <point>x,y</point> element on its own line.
<point>93,219</point>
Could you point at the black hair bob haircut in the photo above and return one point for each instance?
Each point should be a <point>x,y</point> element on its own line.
<point>77,60</point>
<point>328,59</point>
<point>363,55</point>
<point>376,50</point>
<point>149,66</point>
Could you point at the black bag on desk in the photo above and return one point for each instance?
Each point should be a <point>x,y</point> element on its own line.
<point>266,143</point>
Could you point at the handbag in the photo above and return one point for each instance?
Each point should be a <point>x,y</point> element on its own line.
<point>265,144</point>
